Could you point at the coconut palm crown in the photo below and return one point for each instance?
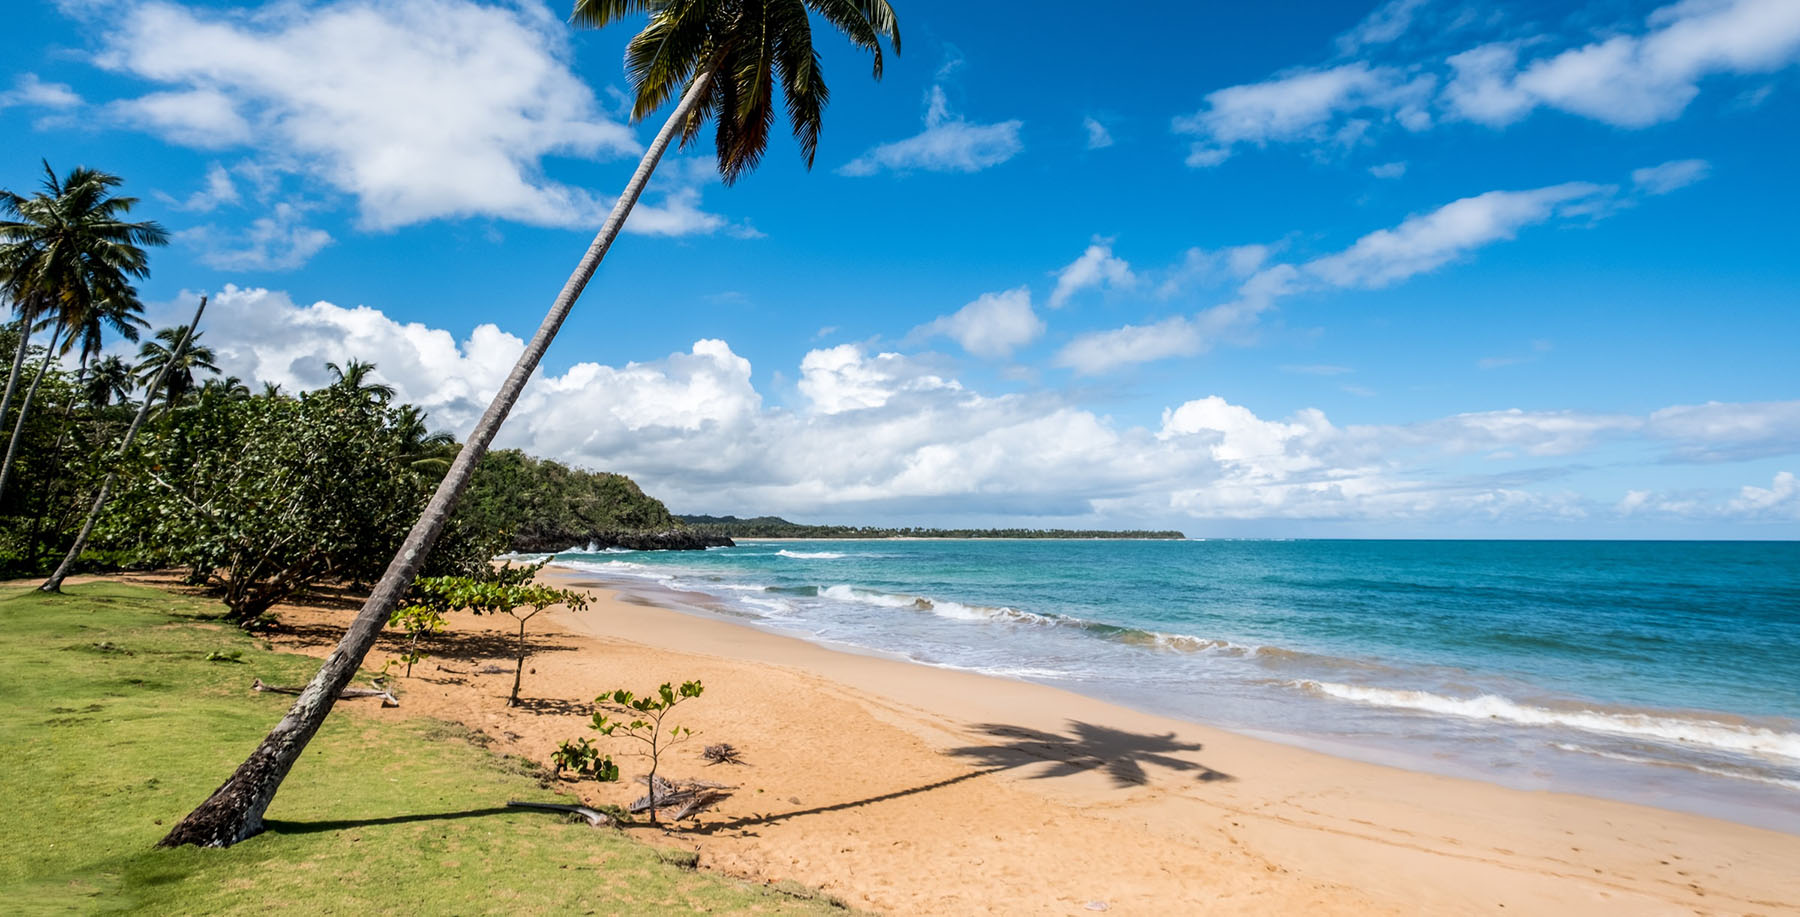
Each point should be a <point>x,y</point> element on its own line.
<point>743,47</point>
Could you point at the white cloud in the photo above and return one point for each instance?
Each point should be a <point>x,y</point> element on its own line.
<point>219,191</point>
<point>1103,351</point>
<point>1670,176</point>
<point>1417,245</point>
<point>1388,22</point>
<point>949,143</point>
<point>885,431</point>
<point>277,242</point>
<point>1635,75</point>
<point>1630,80</point>
<point>1717,431</point>
<point>419,110</point>
<point>1388,170</point>
<point>29,90</point>
<point>1422,243</point>
<point>1781,498</point>
<point>843,378</point>
<point>992,326</point>
<point>1098,137</point>
<point>1096,267</point>
<point>1300,106</point>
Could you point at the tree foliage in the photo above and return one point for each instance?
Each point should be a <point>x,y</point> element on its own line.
<point>641,720</point>
<point>508,590</point>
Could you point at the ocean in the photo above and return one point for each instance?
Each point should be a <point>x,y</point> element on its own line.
<point>1665,673</point>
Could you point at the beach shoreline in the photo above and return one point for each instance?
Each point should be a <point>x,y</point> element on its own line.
<point>1377,835</point>
<point>905,788</point>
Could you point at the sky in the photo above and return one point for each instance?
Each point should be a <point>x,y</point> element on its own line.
<point>1417,268</point>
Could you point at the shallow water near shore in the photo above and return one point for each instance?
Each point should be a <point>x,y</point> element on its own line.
<point>1665,673</point>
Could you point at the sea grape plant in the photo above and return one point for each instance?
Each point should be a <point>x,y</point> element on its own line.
<point>580,757</point>
<point>506,591</point>
<point>646,723</point>
<point>417,621</point>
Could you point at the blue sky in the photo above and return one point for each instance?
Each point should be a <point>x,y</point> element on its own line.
<point>1422,267</point>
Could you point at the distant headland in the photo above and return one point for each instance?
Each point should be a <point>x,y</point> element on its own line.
<point>777,527</point>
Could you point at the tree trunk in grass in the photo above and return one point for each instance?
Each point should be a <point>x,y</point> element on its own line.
<point>12,445</point>
<point>235,810</point>
<point>518,670</point>
<point>54,583</point>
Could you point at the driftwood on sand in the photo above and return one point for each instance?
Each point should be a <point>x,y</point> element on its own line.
<point>594,817</point>
<point>722,753</point>
<point>682,798</point>
<point>387,697</point>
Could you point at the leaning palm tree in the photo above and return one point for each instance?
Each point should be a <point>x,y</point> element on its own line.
<point>722,59</point>
<point>64,253</point>
<point>177,352</point>
<point>167,350</point>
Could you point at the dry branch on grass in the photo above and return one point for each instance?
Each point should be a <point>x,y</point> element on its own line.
<point>387,697</point>
<point>686,797</point>
<point>595,818</point>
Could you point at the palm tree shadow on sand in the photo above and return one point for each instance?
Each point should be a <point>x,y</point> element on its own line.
<point>1121,755</point>
<point>1125,757</point>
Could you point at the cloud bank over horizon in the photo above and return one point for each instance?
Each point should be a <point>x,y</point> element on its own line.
<point>866,431</point>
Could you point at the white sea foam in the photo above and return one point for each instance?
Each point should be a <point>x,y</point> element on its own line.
<point>809,555</point>
<point>943,608</point>
<point>616,568</point>
<point>1734,737</point>
<point>1685,765</point>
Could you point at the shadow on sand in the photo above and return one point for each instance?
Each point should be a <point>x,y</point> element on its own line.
<point>1125,757</point>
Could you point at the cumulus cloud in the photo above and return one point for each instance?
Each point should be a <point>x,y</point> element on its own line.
<point>419,110</point>
<point>875,431</point>
<point>1631,80</point>
<point>949,143</point>
<point>993,326</point>
<point>1096,267</point>
<point>218,191</point>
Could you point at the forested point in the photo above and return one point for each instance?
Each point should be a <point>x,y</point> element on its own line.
<point>777,527</point>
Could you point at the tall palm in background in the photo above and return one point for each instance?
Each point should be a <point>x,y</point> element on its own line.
<point>67,255</point>
<point>354,375</point>
<point>723,60</point>
<point>421,449</point>
<point>167,350</point>
<point>109,380</point>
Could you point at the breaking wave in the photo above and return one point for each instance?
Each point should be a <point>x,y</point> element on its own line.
<point>1741,738</point>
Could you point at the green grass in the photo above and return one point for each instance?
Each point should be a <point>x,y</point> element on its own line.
<point>113,724</point>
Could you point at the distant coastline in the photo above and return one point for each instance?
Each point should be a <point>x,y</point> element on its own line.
<point>772,527</point>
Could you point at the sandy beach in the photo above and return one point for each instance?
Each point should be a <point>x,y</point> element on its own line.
<point>907,789</point>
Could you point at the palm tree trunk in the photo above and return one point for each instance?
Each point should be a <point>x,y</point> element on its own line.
<point>235,810</point>
<point>12,378</point>
<point>54,583</point>
<point>12,445</point>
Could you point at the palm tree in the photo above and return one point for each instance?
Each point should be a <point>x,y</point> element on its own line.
<point>177,352</point>
<point>109,379</point>
<point>165,351</point>
<point>420,448</point>
<point>353,377</point>
<point>68,255</point>
<point>723,59</point>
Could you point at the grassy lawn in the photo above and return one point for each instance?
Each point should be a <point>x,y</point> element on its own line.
<point>113,724</point>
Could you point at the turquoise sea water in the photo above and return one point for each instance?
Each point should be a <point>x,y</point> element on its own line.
<point>1658,672</point>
